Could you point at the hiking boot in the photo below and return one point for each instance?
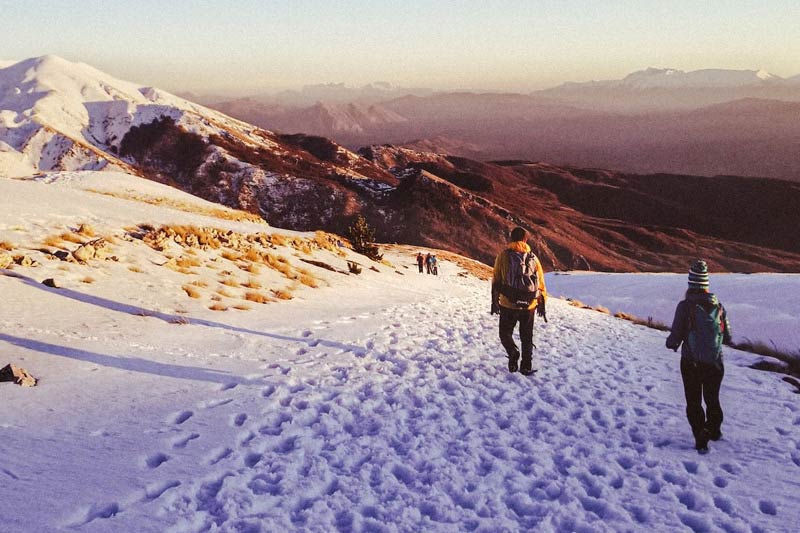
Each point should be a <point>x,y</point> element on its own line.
<point>527,371</point>
<point>714,434</point>
<point>701,443</point>
<point>512,364</point>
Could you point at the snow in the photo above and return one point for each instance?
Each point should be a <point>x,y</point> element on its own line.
<point>761,307</point>
<point>79,113</point>
<point>378,402</point>
<point>670,78</point>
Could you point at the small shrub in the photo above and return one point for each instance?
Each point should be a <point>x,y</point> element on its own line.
<point>362,237</point>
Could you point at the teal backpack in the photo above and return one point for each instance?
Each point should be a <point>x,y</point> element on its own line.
<point>705,333</point>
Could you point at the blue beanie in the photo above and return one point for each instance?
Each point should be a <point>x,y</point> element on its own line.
<point>698,275</point>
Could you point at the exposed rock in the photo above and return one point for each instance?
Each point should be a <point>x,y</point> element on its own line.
<point>50,282</point>
<point>18,375</point>
<point>6,260</point>
<point>86,252</point>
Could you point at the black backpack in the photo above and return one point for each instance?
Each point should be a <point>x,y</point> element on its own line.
<point>521,285</point>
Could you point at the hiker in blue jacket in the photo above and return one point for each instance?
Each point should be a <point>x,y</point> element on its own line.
<point>701,326</point>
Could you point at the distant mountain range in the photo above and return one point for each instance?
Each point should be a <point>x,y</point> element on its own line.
<point>57,115</point>
<point>706,122</point>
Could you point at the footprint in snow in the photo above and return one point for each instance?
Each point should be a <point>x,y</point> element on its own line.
<point>182,442</point>
<point>691,466</point>
<point>724,504</point>
<point>239,420</point>
<point>218,455</point>
<point>720,482</point>
<point>156,460</point>
<point>767,507</point>
<point>181,417</point>
<point>156,490</point>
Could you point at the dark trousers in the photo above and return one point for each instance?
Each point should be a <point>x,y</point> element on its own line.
<point>702,382</point>
<point>509,318</point>
<point>420,267</point>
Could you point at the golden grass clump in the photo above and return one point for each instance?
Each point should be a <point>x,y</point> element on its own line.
<point>252,283</point>
<point>222,292</point>
<point>86,230</point>
<point>257,297</point>
<point>282,294</point>
<point>191,291</point>
<point>134,268</point>
<point>251,268</point>
<point>199,283</point>
<point>231,282</point>
<point>231,255</point>
<point>218,307</point>
<point>187,262</point>
<point>88,279</point>
<point>601,309</point>
<point>7,246</point>
<point>53,241</point>
<point>307,279</point>
<point>71,237</point>
<point>278,240</point>
<point>253,256</point>
<point>242,307</point>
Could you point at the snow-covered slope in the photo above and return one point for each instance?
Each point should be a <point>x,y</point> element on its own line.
<point>60,115</point>
<point>376,402</point>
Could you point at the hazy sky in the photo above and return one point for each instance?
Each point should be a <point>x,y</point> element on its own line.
<point>248,46</point>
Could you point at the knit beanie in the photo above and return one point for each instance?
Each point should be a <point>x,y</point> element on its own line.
<point>698,275</point>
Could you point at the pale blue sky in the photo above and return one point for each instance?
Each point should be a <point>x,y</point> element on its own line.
<point>247,45</point>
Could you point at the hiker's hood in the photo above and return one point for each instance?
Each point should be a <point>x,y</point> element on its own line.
<point>519,246</point>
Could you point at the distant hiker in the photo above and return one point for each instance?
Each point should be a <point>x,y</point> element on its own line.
<point>420,261</point>
<point>701,325</point>
<point>434,265</point>
<point>429,263</point>
<point>518,292</point>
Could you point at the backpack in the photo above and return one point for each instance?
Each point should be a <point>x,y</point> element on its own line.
<point>705,333</point>
<point>521,285</point>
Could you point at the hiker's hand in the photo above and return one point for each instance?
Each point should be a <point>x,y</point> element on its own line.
<point>495,309</point>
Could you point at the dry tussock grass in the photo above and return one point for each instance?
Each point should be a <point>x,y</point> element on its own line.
<point>231,255</point>
<point>191,291</point>
<point>86,230</point>
<point>216,298</point>
<point>7,246</point>
<point>257,297</point>
<point>88,279</point>
<point>53,241</point>
<point>282,294</point>
<point>199,283</point>
<point>224,293</point>
<point>242,307</point>
<point>251,268</point>
<point>278,240</point>
<point>70,236</point>
<point>218,307</point>
<point>134,268</point>
<point>231,282</point>
<point>187,262</point>
<point>252,283</point>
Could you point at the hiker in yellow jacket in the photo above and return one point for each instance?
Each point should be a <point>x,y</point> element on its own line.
<point>518,292</point>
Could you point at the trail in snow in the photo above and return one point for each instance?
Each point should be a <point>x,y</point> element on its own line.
<point>406,419</point>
